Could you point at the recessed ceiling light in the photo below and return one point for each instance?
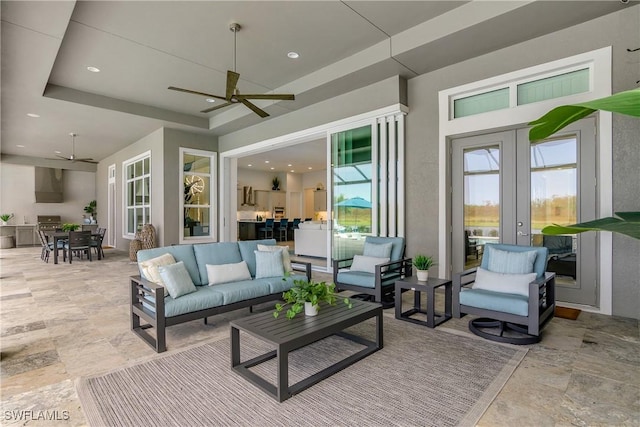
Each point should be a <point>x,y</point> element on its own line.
<point>249,165</point>
<point>293,55</point>
<point>210,100</point>
<point>289,165</point>
<point>272,168</point>
<point>292,170</point>
<point>34,115</point>
<point>93,69</point>
<point>58,152</point>
<point>20,146</point>
<point>266,161</point>
<point>310,168</point>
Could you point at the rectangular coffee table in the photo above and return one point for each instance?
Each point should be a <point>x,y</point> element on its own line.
<point>288,335</point>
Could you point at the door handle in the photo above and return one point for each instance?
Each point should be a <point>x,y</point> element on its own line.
<point>520,233</point>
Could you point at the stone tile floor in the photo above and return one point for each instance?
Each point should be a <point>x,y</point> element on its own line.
<point>59,322</point>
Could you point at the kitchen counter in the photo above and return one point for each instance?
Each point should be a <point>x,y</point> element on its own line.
<point>24,235</point>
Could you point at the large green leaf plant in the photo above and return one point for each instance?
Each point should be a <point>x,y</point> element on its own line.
<point>628,103</point>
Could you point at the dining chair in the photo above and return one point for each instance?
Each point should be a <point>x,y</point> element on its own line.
<point>96,241</point>
<point>79,242</point>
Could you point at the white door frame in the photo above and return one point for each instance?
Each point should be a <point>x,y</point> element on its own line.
<point>111,205</point>
<point>511,118</point>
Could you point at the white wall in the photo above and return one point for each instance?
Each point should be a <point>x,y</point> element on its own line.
<point>18,194</point>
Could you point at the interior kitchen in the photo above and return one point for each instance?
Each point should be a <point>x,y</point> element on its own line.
<point>282,184</point>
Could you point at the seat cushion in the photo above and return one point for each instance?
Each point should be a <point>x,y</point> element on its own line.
<point>357,278</point>
<point>495,301</point>
<point>240,291</point>
<point>215,254</point>
<point>282,284</point>
<point>204,297</point>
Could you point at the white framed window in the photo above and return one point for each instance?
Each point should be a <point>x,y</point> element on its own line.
<point>137,193</point>
<point>198,186</point>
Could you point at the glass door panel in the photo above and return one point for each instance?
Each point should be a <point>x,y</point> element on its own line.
<point>554,194</point>
<point>481,201</point>
<point>351,172</point>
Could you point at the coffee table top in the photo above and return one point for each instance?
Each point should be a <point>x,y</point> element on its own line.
<point>330,318</point>
<point>412,281</point>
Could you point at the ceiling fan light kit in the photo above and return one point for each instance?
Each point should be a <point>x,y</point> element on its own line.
<point>232,94</point>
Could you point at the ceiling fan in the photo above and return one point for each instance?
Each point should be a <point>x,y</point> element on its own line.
<point>232,95</point>
<point>73,157</point>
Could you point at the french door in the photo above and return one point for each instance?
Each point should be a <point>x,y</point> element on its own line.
<point>505,189</point>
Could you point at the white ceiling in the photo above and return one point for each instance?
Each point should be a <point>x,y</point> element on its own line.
<point>143,47</point>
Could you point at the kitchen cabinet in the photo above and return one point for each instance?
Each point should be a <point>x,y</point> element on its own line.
<point>278,199</point>
<point>320,200</point>
<point>262,200</point>
<point>25,235</point>
<point>247,230</point>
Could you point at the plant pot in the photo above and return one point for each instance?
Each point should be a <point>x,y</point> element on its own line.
<point>4,222</point>
<point>423,275</point>
<point>310,310</point>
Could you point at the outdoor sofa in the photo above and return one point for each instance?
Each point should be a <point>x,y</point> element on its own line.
<point>212,278</point>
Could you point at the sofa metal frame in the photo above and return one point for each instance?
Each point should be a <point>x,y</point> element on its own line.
<point>152,294</point>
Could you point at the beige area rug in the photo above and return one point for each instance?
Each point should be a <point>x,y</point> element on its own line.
<point>422,377</point>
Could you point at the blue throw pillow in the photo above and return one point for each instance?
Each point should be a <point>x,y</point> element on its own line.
<point>377,250</point>
<point>508,262</point>
<point>176,279</point>
<point>269,264</point>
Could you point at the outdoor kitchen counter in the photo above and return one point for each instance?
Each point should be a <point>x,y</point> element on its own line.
<point>24,235</point>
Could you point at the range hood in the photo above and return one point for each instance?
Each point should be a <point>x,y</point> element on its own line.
<point>48,185</point>
<point>247,196</point>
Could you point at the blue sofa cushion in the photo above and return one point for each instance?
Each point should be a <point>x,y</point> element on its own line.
<point>247,250</point>
<point>204,297</point>
<point>182,253</point>
<point>539,266</point>
<point>357,278</point>
<point>269,264</point>
<point>280,284</point>
<point>240,291</point>
<point>496,301</point>
<point>215,254</point>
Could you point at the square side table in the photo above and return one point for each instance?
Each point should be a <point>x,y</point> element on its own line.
<point>433,318</point>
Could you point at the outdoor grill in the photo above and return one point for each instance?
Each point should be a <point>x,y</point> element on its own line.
<point>49,222</point>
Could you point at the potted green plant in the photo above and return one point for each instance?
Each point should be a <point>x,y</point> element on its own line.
<point>5,218</point>
<point>276,183</point>
<point>70,227</point>
<point>423,263</point>
<point>308,295</point>
<point>91,210</point>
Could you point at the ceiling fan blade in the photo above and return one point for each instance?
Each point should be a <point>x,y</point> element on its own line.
<point>195,92</point>
<point>232,81</point>
<point>282,96</point>
<point>208,110</point>
<point>255,108</point>
<point>86,160</point>
<point>63,157</point>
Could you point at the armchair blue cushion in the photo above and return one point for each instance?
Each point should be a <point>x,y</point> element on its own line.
<point>379,285</point>
<point>519,319</point>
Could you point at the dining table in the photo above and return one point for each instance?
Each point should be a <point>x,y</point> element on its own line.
<point>61,236</point>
